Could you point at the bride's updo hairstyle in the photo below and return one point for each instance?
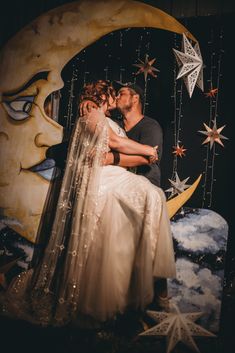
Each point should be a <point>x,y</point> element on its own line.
<point>97,92</point>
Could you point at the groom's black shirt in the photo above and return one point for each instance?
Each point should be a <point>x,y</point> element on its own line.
<point>148,131</point>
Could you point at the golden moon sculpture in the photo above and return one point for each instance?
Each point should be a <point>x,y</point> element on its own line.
<point>30,69</point>
<point>177,202</point>
<point>51,40</point>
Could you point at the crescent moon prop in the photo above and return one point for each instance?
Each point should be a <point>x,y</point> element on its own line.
<point>45,46</point>
<point>55,37</point>
<point>174,204</point>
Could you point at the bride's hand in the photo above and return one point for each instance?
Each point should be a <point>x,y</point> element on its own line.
<point>86,107</point>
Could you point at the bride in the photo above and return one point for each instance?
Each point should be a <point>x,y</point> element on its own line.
<point>111,233</point>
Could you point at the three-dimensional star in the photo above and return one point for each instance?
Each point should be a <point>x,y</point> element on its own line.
<point>177,327</point>
<point>212,92</point>
<point>178,186</point>
<point>213,135</point>
<point>179,150</point>
<point>191,65</point>
<point>146,67</point>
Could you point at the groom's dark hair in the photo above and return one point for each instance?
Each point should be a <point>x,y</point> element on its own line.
<point>132,86</point>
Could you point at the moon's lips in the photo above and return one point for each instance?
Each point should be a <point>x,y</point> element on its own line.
<point>46,169</point>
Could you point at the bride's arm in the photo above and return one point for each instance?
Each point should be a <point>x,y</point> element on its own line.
<point>128,146</point>
<point>118,143</point>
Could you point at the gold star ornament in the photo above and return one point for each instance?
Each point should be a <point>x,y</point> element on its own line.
<point>213,134</point>
<point>146,67</point>
<point>177,327</point>
<point>179,150</point>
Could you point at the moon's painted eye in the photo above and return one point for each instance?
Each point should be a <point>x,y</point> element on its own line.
<point>19,108</point>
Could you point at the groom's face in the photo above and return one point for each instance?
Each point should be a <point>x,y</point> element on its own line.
<point>124,99</point>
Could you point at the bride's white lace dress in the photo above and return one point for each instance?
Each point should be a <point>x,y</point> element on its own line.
<point>106,259</point>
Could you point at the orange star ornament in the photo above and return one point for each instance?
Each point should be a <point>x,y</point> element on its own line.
<point>179,150</point>
<point>212,92</point>
<point>146,67</point>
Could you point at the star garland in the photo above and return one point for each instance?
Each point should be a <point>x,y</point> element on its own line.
<point>212,133</point>
<point>178,113</point>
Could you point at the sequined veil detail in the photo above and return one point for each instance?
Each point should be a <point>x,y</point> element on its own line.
<point>53,291</point>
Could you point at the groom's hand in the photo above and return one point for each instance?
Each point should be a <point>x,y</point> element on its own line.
<point>153,158</point>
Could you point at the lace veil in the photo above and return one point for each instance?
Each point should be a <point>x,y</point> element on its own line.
<point>54,294</point>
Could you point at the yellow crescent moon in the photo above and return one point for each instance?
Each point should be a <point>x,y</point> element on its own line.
<point>55,37</point>
<point>174,204</point>
<point>46,45</point>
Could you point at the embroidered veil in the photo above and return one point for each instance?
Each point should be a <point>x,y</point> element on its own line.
<point>52,292</point>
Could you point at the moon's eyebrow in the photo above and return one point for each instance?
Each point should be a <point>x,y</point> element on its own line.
<point>39,76</point>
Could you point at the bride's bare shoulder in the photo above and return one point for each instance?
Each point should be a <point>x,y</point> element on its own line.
<point>116,128</point>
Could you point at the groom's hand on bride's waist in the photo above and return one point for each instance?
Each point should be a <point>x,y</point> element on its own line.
<point>154,157</point>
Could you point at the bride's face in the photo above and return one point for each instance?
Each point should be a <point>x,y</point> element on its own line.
<point>111,103</point>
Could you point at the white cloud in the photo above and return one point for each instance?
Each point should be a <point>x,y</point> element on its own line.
<point>202,231</point>
<point>198,290</point>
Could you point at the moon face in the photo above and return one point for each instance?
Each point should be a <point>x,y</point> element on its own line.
<point>30,69</point>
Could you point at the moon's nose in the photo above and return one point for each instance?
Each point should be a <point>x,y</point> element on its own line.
<point>49,137</point>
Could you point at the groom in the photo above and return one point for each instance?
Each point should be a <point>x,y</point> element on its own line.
<point>140,128</point>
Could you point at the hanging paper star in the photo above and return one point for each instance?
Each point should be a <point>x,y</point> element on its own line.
<point>213,135</point>
<point>191,65</point>
<point>178,186</point>
<point>177,327</point>
<point>179,150</point>
<point>146,67</point>
<point>212,92</point>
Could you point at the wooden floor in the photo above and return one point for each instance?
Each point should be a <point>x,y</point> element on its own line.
<point>118,336</point>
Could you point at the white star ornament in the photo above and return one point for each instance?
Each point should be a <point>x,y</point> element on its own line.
<point>191,65</point>
<point>177,327</point>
